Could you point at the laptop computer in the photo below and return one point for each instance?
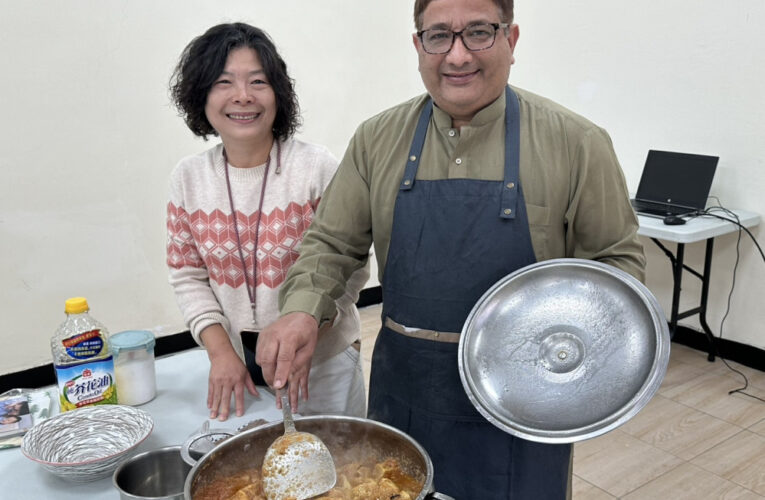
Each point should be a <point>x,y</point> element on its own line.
<point>674,184</point>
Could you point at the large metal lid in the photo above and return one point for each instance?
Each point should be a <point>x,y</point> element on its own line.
<point>563,350</point>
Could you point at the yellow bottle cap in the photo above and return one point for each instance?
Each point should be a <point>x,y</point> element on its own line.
<point>76,305</point>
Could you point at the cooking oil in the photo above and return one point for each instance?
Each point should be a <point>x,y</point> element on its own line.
<point>82,359</point>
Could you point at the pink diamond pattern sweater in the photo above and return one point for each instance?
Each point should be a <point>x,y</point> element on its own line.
<point>202,252</point>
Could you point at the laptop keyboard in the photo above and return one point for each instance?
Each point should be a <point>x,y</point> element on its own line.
<point>659,209</point>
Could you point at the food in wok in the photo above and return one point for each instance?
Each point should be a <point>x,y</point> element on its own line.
<point>357,480</point>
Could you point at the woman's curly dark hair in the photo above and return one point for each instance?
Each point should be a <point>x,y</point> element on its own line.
<point>203,61</point>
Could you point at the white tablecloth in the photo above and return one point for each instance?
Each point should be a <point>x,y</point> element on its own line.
<point>178,410</point>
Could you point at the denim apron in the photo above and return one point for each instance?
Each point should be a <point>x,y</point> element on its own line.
<point>451,240</point>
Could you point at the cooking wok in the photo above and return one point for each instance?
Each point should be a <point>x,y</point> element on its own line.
<point>349,438</point>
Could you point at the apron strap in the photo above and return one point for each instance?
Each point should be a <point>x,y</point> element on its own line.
<point>509,201</point>
<point>511,185</point>
<point>416,148</point>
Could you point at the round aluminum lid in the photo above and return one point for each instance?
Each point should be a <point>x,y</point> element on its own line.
<point>563,350</point>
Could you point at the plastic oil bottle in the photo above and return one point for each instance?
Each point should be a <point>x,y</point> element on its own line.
<point>82,359</point>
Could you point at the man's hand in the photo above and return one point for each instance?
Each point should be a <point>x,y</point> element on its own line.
<point>228,374</point>
<point>284,353</point>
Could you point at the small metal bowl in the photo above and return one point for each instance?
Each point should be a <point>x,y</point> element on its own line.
<point>563,350</point>
<point>157,474</point>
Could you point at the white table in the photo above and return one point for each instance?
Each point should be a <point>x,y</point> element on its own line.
<point>696,229</point>
<point>178,410</point>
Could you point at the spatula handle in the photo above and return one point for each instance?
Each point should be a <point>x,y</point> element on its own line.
<point>284,397</point>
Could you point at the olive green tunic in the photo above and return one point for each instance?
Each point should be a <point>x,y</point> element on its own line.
<point>575,192</point>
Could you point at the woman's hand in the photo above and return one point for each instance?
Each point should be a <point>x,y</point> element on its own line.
<point>228,374</point>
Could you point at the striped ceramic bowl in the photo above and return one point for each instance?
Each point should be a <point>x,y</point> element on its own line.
<point>88,443</point>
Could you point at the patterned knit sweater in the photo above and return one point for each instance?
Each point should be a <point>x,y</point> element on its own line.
<point>202,251</point>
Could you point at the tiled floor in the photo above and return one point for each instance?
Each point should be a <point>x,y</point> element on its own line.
<point>692,441</point>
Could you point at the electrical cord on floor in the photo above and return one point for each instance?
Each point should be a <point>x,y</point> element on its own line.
<point>732,218</point>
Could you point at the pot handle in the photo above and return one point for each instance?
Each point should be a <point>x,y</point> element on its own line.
<point>439,496</point>
<point>185,449</point>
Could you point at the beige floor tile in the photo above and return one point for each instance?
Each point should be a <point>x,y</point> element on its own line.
<point>688,482</point>
<point>709,393</point>
<point>678,373</point>
<point>370,319</point>
<point>619,463</point>
<point>691,418</point>
<point>740,459</point>
<point>697,359</point>
<point>368,336</point>
<point>370,327</point>
<point>759,427</point>
<point>756,377</point>
<point>582,490</point>
<point>678,429</point>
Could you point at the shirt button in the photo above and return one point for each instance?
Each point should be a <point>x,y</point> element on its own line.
<point>458,161</point>
<point>452,133</point>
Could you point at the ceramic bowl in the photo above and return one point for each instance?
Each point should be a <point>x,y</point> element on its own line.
<point>88,443</point>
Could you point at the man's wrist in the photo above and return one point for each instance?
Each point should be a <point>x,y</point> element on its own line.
<point>319,306</point>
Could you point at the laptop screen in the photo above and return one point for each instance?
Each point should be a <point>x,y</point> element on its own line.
<point>679,179</point>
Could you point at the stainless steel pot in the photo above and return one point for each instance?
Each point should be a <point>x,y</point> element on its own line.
<point>156,474</point>
<point>344,436</point>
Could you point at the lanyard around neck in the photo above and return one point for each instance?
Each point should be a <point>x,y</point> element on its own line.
<point>250,287</point>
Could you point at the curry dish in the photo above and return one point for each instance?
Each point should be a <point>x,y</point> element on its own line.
<point>355,481</point>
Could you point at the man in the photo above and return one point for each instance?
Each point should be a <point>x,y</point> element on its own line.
<point>456,188</point>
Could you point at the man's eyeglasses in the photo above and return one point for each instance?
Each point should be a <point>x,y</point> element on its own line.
<point>475,37</point>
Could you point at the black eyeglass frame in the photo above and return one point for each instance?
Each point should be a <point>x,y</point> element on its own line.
<point>456,34</point>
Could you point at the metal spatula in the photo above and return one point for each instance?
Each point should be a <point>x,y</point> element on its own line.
<point>298,464</point>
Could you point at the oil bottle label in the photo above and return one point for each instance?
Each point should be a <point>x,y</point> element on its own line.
<point>86,384</point>
<point>84,345</point>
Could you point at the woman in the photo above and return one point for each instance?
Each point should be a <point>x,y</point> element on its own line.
<point>237,213</point>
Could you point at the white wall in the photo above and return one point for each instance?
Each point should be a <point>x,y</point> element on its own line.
<point>89,137</point>
<point>681,75</point>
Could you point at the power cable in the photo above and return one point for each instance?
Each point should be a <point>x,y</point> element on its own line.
<point>734,219</point>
